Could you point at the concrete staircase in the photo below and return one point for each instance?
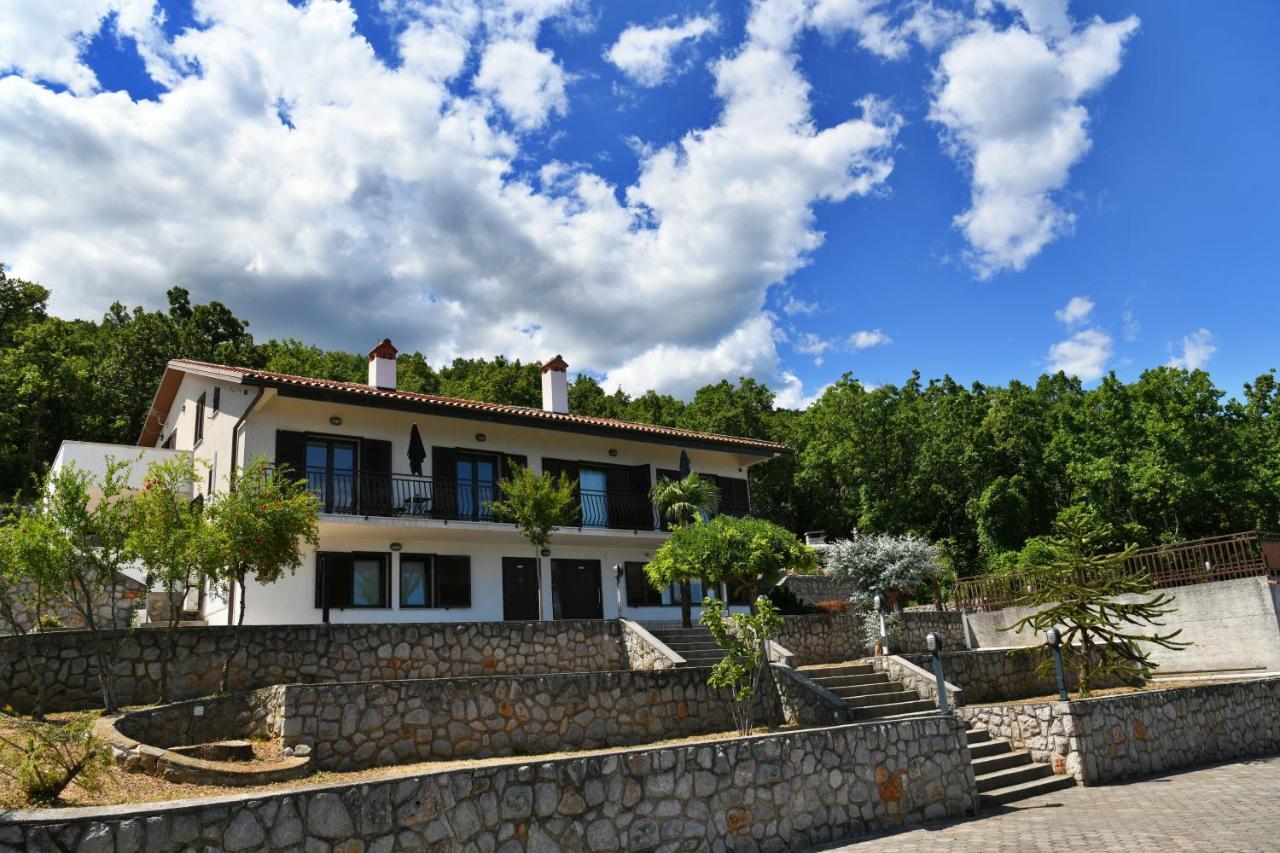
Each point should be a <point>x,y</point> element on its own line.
<point>869,694</point>
<point>695,645</point>
<point>1004,776</point>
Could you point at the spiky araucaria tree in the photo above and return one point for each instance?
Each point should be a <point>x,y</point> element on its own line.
<point>1079,590</point>
<point>682,503</point>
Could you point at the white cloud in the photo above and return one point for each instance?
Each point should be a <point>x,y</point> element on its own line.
<point>398,202</point>
<point>647,54</point>
<point>1197,348</point>
<point>795,306</point>
<point>1010,104</point>
<point>1077,309</point>
<point>810,344</point>
<point>1132,328</point>
<point>868,338</point>
<point>1084,354</point>
<point>886,29</point>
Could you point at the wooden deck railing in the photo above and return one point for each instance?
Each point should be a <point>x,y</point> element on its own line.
<point>1214,558</point>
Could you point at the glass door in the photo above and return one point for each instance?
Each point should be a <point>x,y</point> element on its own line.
<point>331,473</point>
<point>594,489</point>
<point>477,476</point>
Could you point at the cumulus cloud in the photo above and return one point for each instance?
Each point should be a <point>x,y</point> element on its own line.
<point>868,338</point>
<point>887,29</point>
<point>647,54</point>
<point>398,200</point>
<point>1197,348</point>
<point>1077,309</point>
<point>1010,102</point>
<point>1085,354</point>
<point>794,306</point>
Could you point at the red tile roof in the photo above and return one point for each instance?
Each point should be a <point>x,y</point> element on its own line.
<point>536,417</point>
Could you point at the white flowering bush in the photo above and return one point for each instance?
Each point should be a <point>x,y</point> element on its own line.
<point>893,566</point>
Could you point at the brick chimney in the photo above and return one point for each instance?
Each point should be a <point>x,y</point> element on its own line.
<point>382,366</point>
<point>555,386</point>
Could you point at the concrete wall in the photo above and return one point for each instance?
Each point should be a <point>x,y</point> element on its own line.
<point>354,726</point>
<point>282,654</point>
<point>1232,625</point>
<point>1112,738</point>
<point>767,792</point>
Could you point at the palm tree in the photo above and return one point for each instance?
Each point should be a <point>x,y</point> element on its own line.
<point>681,503</point>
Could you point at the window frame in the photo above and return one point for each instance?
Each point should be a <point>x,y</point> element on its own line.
<point>431,578</point>
<point>649,587</point>
<point>384,576</point>
<point>428,574</point>
<point>200,409</point>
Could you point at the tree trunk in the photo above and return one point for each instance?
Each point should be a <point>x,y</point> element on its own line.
<point>224,682</point>
<point>686,605</point>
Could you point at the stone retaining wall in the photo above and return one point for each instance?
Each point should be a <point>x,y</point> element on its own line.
<point>996,675</point>
<point>766,792</point>
<point>279,654</point>
<point>645,651</point>
<point>822,639</point>
<point>354,726</point>
<point>255,715</point>
<point>918,624</point>
<point>812,589</point>
<point>1119,737</point>
<point>114,612</point>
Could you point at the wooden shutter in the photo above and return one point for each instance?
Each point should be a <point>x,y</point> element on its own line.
<point>444,482</point>
<point>639,485</point>
<point>291,452</point>
<point>453,581</point>
<point>339,566</point>
<point>568,468</point>
<point>375,477</point>
<point>734,496</point>
<point>510,462</point>
<point>640,593</point>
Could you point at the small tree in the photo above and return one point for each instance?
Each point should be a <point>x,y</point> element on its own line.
<point>738,550</point>
<point>745,647</point>
<point>261,523</point>
<point>683,503</point>
<point>173,538</point>
<point>891,566</point>
<point>1077,588</point>
<point>42,759</point>
<point>86,522</point>
<point>537,504</point>
<point>29,570</point>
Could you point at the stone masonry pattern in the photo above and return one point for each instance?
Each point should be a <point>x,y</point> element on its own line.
<point>770,792</point>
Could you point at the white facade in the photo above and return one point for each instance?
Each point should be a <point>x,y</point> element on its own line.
<point>258,419</point>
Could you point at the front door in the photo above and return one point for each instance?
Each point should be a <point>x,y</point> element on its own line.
<point>575,586</point>
<point>520,588</point>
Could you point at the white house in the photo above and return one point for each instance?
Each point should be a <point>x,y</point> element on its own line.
<point>404,480</point>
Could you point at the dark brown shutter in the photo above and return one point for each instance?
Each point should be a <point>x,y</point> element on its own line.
<point>339,566</point>
<point>643,506</point>
<point>375,477</point>
<point>640,593</point>
<point>453,581</point>
<point>568,468</point>
<point>734,499</point>
<point>291,452</point>
<point>444,482</point>
<point>510,462</point>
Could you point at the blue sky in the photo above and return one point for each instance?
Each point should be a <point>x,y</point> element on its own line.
<point>667,192</point>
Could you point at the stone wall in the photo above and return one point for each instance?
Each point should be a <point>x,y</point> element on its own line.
<point>812,589</point>
<point>1120,737</point>
<point>279,654</point>
<point>918,677</point>
<point>109,612</point>
<point>766,792</point>
<point>997,675</point>
<point>354,726</point>
<point>256,714</point>
<point>822,639</point>
<point>645,651</point>
<point>917,624</point>
<point>802,702</point>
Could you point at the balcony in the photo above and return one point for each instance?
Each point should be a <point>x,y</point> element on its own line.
<point>451,499</point>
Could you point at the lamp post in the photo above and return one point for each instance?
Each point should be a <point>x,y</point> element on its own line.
<point>878,604</point>
<point>934,642</point>
<point>618,572</point>
<point>1054,638</point>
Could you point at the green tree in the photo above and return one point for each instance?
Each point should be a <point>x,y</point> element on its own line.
<point>172,536</point>
<point>891,566</point>
<point>682,503</point>
<point>537,504</point>
<point>745,641</point>
<point>1088,591</point>
<point>261,522</point>
<point>30,571</point>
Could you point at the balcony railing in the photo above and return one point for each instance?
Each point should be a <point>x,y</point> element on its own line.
<point>452,499</point>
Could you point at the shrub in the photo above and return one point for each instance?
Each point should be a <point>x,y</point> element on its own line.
<point>42,759</point>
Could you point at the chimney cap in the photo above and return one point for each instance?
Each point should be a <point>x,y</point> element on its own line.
<point>557,363</point>
<point>383,350</point>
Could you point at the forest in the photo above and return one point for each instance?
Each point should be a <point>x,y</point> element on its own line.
<point>981,470</point>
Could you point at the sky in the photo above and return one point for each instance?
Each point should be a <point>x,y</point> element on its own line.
<point>667,193</point>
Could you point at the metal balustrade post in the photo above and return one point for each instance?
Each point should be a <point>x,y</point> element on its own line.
<point>934,642</point>
<point>1054,638</point>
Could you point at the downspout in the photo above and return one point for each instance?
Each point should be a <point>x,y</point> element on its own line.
<point>231,485</point>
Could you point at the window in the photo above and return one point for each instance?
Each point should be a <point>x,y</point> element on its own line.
<point>435,580</point>
<point>200,419</point>
<point>331,473</point>
<point>217,399</point>
<point>360,579</point>
<point>641,593</point>
<point>594,489</point>
<point>477,477</point>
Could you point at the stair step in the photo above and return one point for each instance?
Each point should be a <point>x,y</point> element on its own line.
<point>891,698</point>
<point>693,647</point>
<point>1034,788</point>
<point>894,709</point>
<point>831,682</point>
<point>988,764</point>
<point>1011,776</point>
<point>842,669</point>
<point>849,691</point>
<point>987,748</point>
<point>977,735</point>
